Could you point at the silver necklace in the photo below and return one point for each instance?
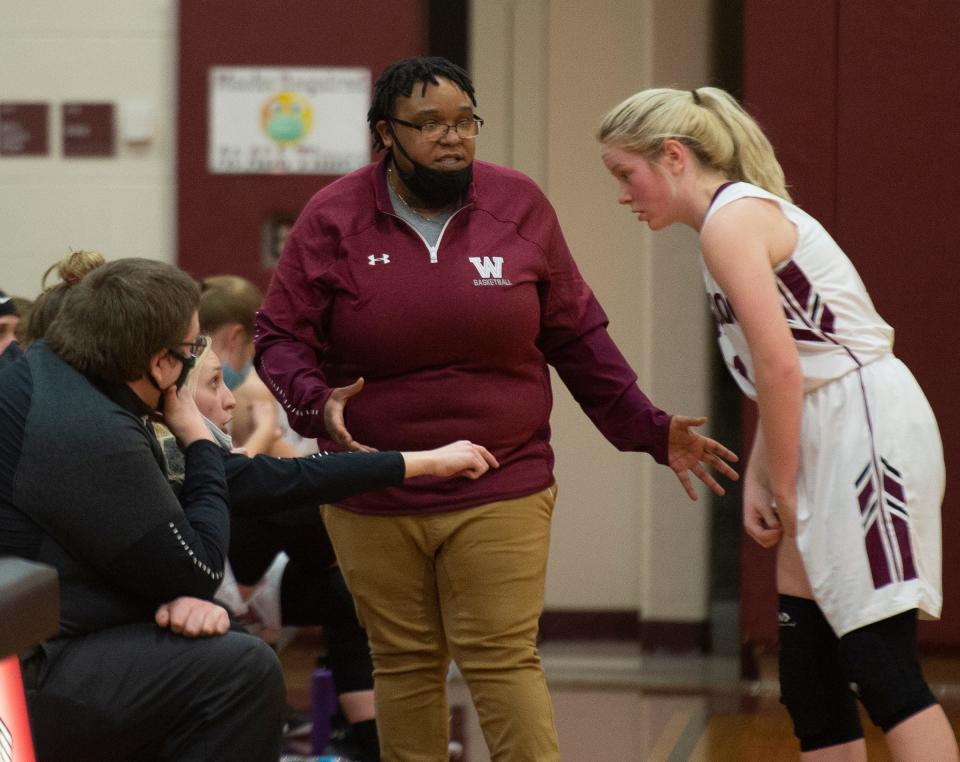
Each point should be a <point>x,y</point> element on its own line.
<point>393,184</point>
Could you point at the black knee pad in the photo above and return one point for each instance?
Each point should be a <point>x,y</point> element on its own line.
<point>813,686</point>
<point>881,660</point>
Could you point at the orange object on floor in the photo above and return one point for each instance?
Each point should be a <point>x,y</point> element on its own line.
<point>16,743</point>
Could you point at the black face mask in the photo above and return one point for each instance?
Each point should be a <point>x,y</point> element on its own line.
<point>186,365</point>
<point>434,187</point>
<point>188,361</point>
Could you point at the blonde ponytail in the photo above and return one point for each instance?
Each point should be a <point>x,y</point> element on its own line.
<point>709,121</point>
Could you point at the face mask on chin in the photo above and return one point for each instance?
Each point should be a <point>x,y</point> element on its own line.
<point>224,440</point>
<point>434,187</point>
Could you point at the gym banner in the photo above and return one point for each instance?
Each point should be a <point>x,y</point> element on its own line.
<point>288,120</point>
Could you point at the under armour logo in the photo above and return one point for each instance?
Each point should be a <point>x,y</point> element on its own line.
<point>785,620</point>
<point>487,267</point>
<point>383,259</point>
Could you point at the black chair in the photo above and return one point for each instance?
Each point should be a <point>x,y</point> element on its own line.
<point>29,604</point>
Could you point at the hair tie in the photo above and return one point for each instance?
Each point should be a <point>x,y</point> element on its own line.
<point>696,97</point>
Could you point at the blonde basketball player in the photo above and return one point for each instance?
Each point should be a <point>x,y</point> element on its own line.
<point>847,471</point>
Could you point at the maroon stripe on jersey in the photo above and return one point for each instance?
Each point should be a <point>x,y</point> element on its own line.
<point>817,316</point>
<point>802,325</point>
<point>892,487</point>
<point>896,509</point>
<point>827,319</point>
<point>796,282</point>
<point>865,497</point>
<point>902,530</point>
<point>741,368</point>
<point>882,500</point>
<point>879,567</point>
<point>802,334</point>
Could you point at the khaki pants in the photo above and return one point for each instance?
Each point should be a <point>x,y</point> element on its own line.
<point>467,584</point>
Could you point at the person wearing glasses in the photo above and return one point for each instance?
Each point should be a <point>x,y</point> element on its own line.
<point>145,665</point>
<point>431,291</point>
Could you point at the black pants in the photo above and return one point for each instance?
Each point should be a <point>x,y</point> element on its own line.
<point>139,692</point>
<point>312,591</point>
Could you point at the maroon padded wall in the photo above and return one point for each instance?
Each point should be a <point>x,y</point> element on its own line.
<point>219,217</point>
<point>860,101</point>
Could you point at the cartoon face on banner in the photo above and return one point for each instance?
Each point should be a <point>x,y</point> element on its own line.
<point>286,118</point>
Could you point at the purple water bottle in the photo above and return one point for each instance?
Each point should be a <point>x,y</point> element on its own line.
<point>323,703</point>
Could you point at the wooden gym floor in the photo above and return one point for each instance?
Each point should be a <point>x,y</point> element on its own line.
<point>613,703</point>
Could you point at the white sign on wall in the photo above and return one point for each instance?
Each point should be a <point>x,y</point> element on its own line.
<point>288,120</point>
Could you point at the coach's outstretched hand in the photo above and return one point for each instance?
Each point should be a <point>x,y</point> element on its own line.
<point>690,452</point>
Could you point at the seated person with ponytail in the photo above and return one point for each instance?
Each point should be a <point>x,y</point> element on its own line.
<point>288,492</point>
<point>71,269</point>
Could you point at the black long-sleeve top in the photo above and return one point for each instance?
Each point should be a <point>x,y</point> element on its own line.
<point>291,489</point>
<point>263,485</point>
<point>82,487</point>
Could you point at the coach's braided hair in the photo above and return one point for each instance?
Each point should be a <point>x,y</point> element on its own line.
<point>398,79</point>
<point>709,121</point>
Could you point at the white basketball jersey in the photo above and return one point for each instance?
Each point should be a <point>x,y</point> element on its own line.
<point>830,314</point>
<point>871,473</point>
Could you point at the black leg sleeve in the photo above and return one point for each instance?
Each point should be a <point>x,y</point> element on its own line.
<point>309,598</point>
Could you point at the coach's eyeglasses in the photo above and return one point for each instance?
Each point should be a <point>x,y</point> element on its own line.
<point>196,348</point>
<point>433,132</point>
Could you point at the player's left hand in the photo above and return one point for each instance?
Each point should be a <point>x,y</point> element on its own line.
<point>689,452</point>
<point>760,520</point>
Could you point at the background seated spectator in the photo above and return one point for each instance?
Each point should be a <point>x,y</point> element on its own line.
<point>9,318</point>
<point>228,306</point>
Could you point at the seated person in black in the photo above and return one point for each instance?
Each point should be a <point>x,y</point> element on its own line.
<point>9,318</point>
<point>144,666</point>
<point>274,504</point>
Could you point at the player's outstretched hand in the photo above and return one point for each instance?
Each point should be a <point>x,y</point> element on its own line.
<point>461,458</point>
<point>690,452</point>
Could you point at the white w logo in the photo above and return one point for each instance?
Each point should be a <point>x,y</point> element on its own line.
<point>384,258</point>
<point>488,268</point>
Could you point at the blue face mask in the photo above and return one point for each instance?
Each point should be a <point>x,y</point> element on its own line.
<point>233,378</point>
<point>224,440</point>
